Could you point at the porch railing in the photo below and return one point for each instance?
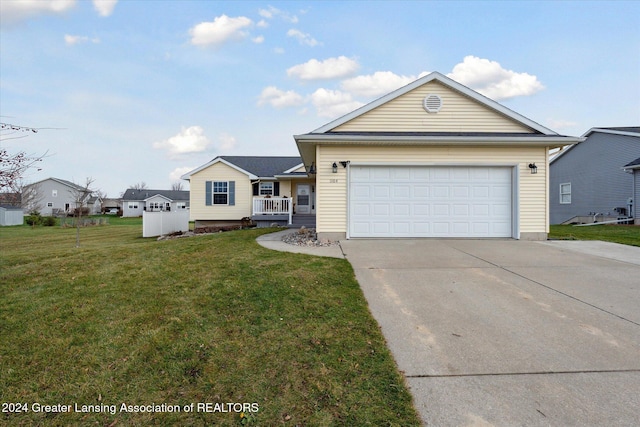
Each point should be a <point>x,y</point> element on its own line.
<point>273,206</point>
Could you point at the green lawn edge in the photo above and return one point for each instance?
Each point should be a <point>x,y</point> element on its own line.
<point>214,319</point>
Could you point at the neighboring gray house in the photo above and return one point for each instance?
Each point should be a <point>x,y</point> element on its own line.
<point>634,168</point>
<point>588,180</point>
<point>134,202</point>
<point>54,196</point>
<point>11,215</point>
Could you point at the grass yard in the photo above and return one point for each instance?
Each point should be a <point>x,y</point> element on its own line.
<point>625,234</point>
<point>286,338</point>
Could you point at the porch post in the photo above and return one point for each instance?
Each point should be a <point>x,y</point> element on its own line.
<point>290,210</point>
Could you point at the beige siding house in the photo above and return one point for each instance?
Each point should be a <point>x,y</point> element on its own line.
<point>432,159</point>
<point>231,189</point>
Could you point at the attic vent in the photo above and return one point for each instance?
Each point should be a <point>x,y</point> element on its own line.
<point>432,103</point>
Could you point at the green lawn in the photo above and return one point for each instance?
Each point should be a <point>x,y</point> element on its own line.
<point>625,234</point>
<point>210,319</point>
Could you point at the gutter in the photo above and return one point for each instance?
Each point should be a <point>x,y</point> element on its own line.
<point>544,141</point>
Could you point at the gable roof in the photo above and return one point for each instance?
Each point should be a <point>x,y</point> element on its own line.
<point>632,131</point>
<point>633,165</point>
<point>328,134</point>
<point>446,81</point>
<point>69,184</point>
<point>255,167</point>
<point>133,194</point>
<point>625,131</point>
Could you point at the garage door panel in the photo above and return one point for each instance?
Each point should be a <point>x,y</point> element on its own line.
<point>440,192</point>
<point>420,191</point>
<point>402,191</point>
<point>427,201</point>
<point>381,192</point>
<point>382,209</point>
<point>401,209</point>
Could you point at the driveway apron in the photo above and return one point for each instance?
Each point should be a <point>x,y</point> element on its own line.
<point>506,332</point>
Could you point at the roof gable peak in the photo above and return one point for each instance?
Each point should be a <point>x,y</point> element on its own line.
<point>447,82</point>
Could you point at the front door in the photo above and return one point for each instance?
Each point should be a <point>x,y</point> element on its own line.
<point>303,202</point>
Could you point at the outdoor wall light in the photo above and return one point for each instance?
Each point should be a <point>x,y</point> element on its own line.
<point>344,163</point>
<point>533,167</point>
<point>312,169</point>
<point>334,167</point>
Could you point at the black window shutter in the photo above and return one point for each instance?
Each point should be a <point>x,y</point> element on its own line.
<point>256,189</point>
<point>276,188</point>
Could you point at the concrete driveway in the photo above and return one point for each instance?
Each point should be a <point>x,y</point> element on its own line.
<point>508,333</point>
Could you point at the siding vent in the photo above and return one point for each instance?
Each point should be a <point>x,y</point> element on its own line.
<point>432,103</point>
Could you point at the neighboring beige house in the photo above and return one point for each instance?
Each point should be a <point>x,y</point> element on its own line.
<point>268,190</point>
<point>431,159</point>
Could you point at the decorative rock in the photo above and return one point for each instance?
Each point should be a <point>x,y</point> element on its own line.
<point>306,237</point>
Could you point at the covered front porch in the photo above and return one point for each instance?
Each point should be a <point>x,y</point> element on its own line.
<point>267,211</point>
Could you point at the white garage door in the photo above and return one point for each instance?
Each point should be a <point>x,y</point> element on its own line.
<point>433,201</point>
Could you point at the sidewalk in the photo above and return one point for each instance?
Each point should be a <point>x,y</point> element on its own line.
<point>274,241</point>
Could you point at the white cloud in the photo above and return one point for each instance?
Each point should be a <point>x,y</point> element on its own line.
<point>333,103</point>
<point>227,142</point>
<point>221,30</point>
<point>273,12</point>
<point>557,124</point>
<point>178,172</point>
<point>331,68</point>
<point>491,80</point>
<point>189,140</point>
<point>376,84</point>
<point>303,38</point>
<point>258,40</point>
<point>17,11</point>
<point>104,7</point>
<point>71,40</point>
<point>280,99</point>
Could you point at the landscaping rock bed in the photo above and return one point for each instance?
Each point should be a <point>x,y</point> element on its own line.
<point>306,237</point>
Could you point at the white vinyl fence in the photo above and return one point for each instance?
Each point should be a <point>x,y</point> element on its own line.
<point>163,223</point>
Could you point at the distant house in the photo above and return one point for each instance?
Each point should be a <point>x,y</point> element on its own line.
<point>55,196</point>
<point>267,189</point>
<point>111,205</point>
<point>11,215</point>
<point>588,180</point>
<point>634,168</point>
<point>134,201</point>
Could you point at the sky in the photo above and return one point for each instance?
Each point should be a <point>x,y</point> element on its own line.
<point>134,91</point>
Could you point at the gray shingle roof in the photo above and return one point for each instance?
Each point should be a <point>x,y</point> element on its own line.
<point>636,162</point>
<point>632,129</point>
<point>264,166</point>
<point>132,194</point>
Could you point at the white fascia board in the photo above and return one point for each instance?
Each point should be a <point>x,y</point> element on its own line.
<point>292,169</point>
<point>328,139</point>
<point>447,82</point>
<point>279,177</point>
<point>611,131</point>
<point>157,195</point>
<point>187,176</point>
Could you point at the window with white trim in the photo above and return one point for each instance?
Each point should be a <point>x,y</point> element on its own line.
<point>266,188</point>
<point>181,205</point>
<point>54,193</point>
<point>132,205</point>
<point>220,192</point>
<point>565,193</point>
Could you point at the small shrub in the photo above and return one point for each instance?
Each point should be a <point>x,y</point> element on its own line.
<point>48,221</point>
<point>33,219</point>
